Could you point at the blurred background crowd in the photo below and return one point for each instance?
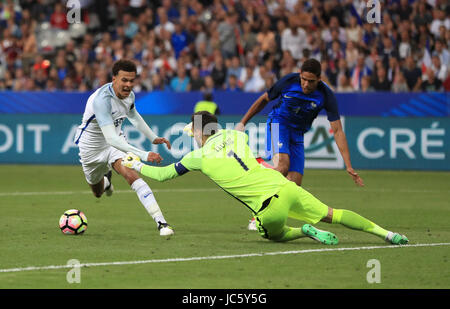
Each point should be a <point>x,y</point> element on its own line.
<point>246,45</point>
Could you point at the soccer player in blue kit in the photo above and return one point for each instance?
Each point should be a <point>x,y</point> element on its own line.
<point>298,98</point>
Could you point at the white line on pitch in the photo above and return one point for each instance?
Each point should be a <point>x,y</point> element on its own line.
<point>381,190</point>
<point>219,257</point>
<point>115,191</point>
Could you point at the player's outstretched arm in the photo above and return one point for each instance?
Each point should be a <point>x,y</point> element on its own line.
<point>119,142</point>
<point>164,173</point>
<point>256,107</point>
<point>341,142</point>
<point>139,123</point>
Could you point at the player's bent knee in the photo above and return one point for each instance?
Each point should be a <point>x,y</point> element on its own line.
<point>130,175</point>
<point>97,189</point>
<point>97,194</point>
<point>276,238</point>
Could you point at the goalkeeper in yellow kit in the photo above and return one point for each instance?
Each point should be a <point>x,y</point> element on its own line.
<point>225,157</point>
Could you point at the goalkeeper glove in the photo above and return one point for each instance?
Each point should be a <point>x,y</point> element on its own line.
<point>132,161</point>
<point>188,129</point>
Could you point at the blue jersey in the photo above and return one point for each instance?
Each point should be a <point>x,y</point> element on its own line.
<point>296,109</point>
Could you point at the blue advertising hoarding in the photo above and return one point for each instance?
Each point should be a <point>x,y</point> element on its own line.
<point>399,143</point>
<point>410,143</point>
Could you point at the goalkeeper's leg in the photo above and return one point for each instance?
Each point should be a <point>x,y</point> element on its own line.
<point>355,221</point>
<point>271,221</point>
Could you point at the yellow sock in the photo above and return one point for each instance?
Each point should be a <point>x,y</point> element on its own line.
<point>355,221</point>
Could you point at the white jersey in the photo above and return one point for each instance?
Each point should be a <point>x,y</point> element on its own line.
<point>103,107</point>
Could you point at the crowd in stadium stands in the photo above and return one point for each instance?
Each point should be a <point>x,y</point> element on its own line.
<point>245,45</point>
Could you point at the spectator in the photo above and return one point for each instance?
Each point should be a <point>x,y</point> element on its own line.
<point>205,67</point>
<point>325,77</point>
<point>359,71</point>
<point>412,74</point>
<point>335,53</point>
<point>219,72</point>
<point>281,26</point>
<point>421,16</point>
<point>404,10</point>
<point>20,81</point>
<point>431,84</point>
<point>288,64</point>
<point>145,81</point>
<point>58,19</point>
<point>399,84</point>
<point>227,35</point>
<point>253,80</point>
<point>136,7</point>
<point>248,37</point>
<point>157,83</point>
<point>40,79</point>
<point>392,69</point>
<point>442,52</point>
<point>366,84</point>
<point>344,84</point>
<point>342,70</point>
<point>233,84</point>
<point>293,39</point>
<point>180,82</point>
<point>440,69</point>
<point>146,31</point>
<point>368,36</point>
<point>172,12</point>
<point>179,40</point>
<point>354,31</point>
<point>334,31</point>
<point>266,36</point>
<point>164,22</point>
<point>388,50</point>
<point>439,19</point>
<point>61,66</point>
<point>404,48</point>
<point>196,82</point>
<point>380,81</point>
<point>351,54</point>
<point>209,84</point>
<point>235,68</point>
<point>166,61</point>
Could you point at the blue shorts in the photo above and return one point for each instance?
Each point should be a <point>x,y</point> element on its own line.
<point>285,140</point>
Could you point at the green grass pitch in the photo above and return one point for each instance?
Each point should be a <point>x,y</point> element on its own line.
<point>209,224</point>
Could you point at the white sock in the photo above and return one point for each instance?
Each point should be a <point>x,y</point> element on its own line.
<point>389,236</point>
<point>105,182</point>
<point>147,199</point>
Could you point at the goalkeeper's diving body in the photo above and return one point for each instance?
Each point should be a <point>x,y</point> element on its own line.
<point>225,157</point>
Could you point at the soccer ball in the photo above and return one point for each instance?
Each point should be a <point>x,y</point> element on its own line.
<point>73,222</point>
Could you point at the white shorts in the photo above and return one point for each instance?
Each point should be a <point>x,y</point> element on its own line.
<point>97,163</point>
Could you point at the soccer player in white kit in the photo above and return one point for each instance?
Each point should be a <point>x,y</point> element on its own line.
<point>102,144</point>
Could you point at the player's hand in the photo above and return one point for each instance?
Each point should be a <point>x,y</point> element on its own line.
<point>162,140</point>
<point>132,161</point>
<point>154,157</point>
<point>358,180</point>
<point>240,127</point>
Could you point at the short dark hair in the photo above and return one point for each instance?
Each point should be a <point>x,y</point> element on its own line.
<point>209,122</point>
<point>123,65</point>
<point>312,66</point>
<point>208,96</point>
